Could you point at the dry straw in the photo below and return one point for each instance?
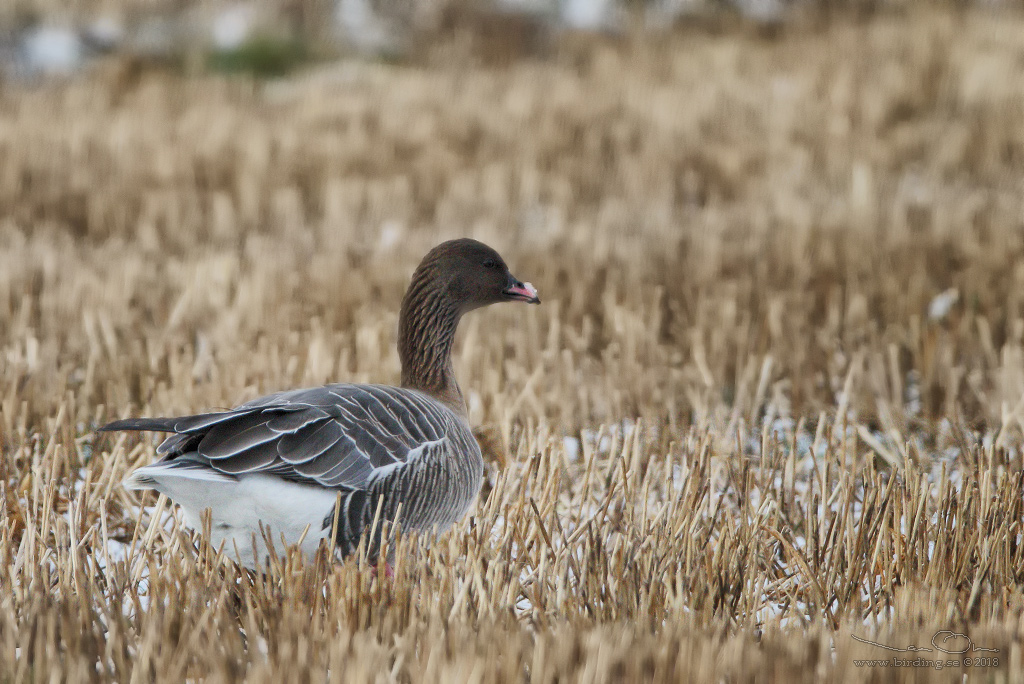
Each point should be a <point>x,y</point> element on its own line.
<point>741,431</point>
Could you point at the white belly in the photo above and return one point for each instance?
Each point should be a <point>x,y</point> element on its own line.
<point>289,512</point>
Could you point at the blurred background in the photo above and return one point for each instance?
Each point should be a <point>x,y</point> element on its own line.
<point>730,205</point>
<point>775,385</point>
<point>43,37</point>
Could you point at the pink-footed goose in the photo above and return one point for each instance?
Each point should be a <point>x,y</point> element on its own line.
<point>282,460</point>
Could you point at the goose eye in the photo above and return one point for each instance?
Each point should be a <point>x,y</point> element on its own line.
<point>490,263</point>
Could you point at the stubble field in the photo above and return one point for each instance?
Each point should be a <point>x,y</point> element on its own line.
<point>772,404</point>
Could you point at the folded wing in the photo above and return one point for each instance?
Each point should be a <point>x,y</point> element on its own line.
<point>334,436</point>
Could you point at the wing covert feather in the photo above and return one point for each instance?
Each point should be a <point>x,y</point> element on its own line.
<point>335,436</point>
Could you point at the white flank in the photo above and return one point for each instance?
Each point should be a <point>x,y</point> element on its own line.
<point>239,504</point>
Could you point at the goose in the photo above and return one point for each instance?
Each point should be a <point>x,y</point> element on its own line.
<point>304,462</point>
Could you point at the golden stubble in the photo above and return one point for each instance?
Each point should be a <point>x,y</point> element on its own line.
<point>733,437</point>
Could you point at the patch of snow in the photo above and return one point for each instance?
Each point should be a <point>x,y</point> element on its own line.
<point>391,234</point>
<point>572,448</point>
<point>52,50</point>
<point>591,15</point>
<point>363,27</point>
<point>679,475</point>
<point>232,26</point>
<point>761,11</point>
<point>943,303</point>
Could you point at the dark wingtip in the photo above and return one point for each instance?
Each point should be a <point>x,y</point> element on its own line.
<point>146,424</point>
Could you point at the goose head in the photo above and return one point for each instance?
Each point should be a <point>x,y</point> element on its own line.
<point>475,275</point>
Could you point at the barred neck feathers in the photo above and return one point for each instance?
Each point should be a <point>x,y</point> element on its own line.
<point>426,332</point>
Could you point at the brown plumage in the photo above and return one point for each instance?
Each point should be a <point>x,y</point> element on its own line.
<point>451,280</point>
<point>281,460</point>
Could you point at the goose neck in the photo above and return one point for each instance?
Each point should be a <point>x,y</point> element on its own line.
<point>426,334</point>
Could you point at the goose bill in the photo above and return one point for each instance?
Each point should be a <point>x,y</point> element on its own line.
<point>523,292</point>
